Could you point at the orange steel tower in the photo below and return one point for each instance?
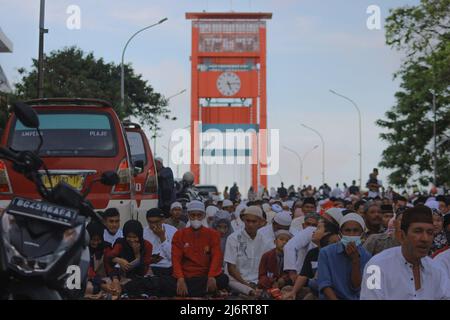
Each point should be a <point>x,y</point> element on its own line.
<point>228,84</point>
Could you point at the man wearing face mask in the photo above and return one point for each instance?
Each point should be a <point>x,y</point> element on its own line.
<point>196,258</point>
<point>341,264</point>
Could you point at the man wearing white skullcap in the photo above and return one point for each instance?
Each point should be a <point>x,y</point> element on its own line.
<point>277,208</point>
<point>341,265</point>
<point>243,252</point>
<point>210,213</point>
<point>228,205</point>
<point>281,221</point>
<point>176,209</point>
<point>197,207</point>
<point>196,259</point>
<point>334,215</point>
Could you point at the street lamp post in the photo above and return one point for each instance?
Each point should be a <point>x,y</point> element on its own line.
<point>360,132</point>
<point>122,70</point>
<point>178,164</point>
<point>42,31</point>
<point>155,133</point>
<point>301,160</point>
<point>434,139</point>
<point>323,149</point>
<point>304,158</point>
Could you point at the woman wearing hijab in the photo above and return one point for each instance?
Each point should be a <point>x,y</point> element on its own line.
<point>96,249</point>
<point>96,271</point>
<point>131,256</point>
<point>440,240</point>
<point>222,224</point>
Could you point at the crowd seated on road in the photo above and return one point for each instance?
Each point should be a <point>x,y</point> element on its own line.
<point>303,244</point>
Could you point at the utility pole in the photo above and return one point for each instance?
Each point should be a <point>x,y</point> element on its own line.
<point>42,31</point>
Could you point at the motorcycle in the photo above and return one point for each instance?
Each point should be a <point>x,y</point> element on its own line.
<point>44,252</point>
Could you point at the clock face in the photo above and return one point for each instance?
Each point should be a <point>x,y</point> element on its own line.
<point>228,84</point>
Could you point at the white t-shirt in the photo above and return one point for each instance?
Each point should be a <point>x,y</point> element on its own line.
<point>268,234</point>
<point>112,238</point>
<point>396,278</point>
<point>443,261</point>
<point>245,253</point>
<point>163,249</point>
<point>296,249</point>
<point>297,225</point>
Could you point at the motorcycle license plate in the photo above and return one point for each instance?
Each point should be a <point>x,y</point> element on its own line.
<point>43,210</point>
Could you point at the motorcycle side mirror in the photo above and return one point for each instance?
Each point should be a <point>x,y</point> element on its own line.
<point>26,114</point>
<point>109,178</point>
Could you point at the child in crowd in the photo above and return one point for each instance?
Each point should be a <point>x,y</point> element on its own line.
<point>222,224</point>
<point>305,286</point>
<point>97,281</point>
<point>271,273</point>
<point>111,219</point>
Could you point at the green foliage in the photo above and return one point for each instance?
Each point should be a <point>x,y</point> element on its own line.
<point>72,73</point>
<point>422,32</point>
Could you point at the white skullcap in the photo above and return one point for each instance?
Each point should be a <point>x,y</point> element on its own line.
<point>195,205</point>
<point>281,232</point>
<point>277,208</point>
<point>227,203</point>
<point>211,211</point>
<point>254,211</point>
<point>283,218</point>
<point>352,217</point>
<point>335,213</point>
<point>176,204</point>
<point>432,204</point>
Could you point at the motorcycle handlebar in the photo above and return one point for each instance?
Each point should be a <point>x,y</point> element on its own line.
<point>16,158</point>
<point>9,155</point>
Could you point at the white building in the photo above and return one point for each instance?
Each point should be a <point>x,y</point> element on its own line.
<point>5,46</point>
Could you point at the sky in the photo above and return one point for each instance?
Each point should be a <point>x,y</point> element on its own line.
<point>312,46</point>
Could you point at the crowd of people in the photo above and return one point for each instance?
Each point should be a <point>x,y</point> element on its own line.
<point>294,245</point>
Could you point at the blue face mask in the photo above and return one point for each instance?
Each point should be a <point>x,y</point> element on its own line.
<point>347,239</point>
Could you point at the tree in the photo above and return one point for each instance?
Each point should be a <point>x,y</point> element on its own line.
<point>72,73</point>
<point>422,32</point>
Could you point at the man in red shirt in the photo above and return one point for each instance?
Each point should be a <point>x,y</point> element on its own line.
<point>196,258</point>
